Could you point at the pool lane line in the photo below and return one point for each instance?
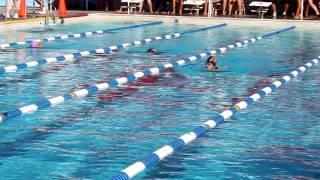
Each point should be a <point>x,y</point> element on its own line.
<point>77,35</point>
<point>106,50</point>
<point>201,130</point>
<point>167,150</point>
<point>123,80</point>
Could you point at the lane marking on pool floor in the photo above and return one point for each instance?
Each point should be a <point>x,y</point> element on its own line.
<point>106,50</point>
<point>76,35</point>
<point>165,151</point>
<point>124,80</point>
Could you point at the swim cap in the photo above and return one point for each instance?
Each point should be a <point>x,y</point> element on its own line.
<point>34,44</point>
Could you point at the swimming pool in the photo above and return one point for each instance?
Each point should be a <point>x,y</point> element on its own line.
<point>95,137</point>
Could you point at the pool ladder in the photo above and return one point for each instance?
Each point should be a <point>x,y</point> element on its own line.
<point>49,13</point>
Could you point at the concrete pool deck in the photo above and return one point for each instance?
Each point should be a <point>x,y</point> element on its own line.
<point>110,17</point>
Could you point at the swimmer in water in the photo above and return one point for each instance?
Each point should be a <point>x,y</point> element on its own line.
<point>212,63</point>
<point>152,51</point>
<point>35,44</point>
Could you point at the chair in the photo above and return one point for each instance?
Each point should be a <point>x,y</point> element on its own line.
<point>131,5</point>
<point>194,5</point>
<point>260,7</point>
<point>215,6</point>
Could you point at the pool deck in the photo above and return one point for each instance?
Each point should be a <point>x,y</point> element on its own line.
<point>111,17</point>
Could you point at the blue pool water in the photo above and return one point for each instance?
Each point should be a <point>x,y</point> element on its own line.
<point>95,137</point>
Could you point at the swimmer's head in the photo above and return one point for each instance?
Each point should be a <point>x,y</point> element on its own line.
<point>212,62</point>
<point>152,50</point>
<point>35,44</point>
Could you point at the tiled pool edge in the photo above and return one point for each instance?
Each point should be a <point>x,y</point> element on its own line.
<point>238,22</point>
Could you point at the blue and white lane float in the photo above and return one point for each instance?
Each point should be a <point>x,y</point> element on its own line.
<point>106,50</point>
<point>77,35</point>
<point>201,130</point>
<point>46,103</point>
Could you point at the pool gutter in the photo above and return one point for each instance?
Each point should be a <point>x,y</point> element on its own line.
<point>111,17</point>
